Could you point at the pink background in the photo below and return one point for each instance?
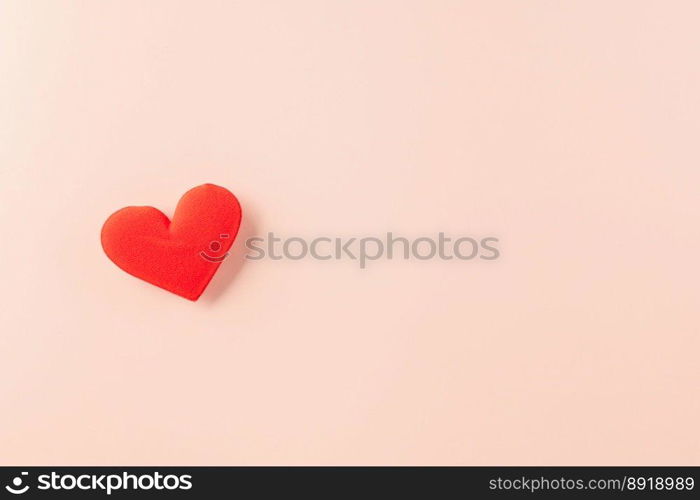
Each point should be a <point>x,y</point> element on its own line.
<point>568,129</point>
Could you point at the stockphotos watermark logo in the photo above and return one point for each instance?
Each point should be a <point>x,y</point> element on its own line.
<point>371,248</point>
<point>101,483</point>
<point>18,486</point>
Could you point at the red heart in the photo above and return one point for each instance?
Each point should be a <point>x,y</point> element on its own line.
<point>180,256</point>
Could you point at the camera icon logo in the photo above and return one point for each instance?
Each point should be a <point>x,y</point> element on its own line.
<point>16,488</point>
<point>214,248</point>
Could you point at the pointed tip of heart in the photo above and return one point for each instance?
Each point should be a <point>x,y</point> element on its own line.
<point>191,298</point>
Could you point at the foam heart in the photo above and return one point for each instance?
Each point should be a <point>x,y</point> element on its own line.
<point>180,256</point>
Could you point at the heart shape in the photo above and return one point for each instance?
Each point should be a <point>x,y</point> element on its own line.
<point>180,256</point>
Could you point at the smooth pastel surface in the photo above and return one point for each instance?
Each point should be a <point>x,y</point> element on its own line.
<point>567,129</point>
